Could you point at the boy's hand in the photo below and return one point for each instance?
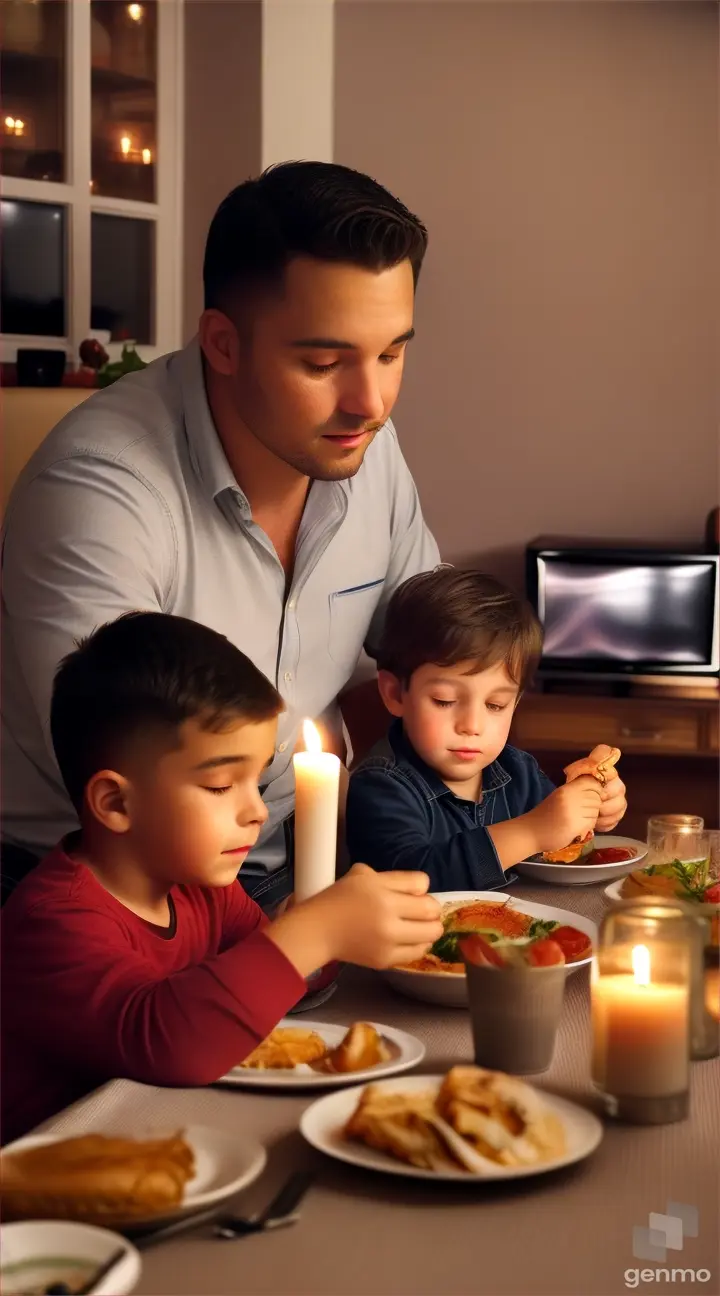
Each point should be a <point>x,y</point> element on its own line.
<point>374,919</point>
<point>570,811</point>
<point>614,803</point>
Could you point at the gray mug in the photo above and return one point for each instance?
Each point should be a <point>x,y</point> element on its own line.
<point>515,1013</point>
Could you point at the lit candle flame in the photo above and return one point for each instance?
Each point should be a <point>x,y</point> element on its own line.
<point>313,742</point>
<point>147,156</point>
<point>641,964</point>
<point>125,144</point>
<point>10,123</point>
<point>136,12</point>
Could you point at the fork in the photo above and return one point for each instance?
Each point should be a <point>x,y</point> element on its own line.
<point>281,1211</point>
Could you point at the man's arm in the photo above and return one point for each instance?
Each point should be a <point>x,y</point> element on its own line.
<point>388,827</point>
<point>85,541</point>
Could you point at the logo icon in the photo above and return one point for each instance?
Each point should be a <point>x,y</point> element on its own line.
<point>666,1232</point>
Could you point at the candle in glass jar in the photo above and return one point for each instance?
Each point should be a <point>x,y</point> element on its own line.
<point>640,1032</point>
<point>317,783</point>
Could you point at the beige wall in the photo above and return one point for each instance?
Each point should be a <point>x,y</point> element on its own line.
<point>564,157</point>
<point>222,122</point>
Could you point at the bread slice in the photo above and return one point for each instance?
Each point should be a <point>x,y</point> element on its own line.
<point>95,1179</point>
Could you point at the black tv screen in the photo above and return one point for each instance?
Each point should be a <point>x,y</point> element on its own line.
<point>656,613</point>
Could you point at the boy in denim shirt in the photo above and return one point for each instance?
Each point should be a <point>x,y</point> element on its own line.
<point>445,793</point>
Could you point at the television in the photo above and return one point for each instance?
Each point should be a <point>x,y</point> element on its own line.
<point>616,610</point>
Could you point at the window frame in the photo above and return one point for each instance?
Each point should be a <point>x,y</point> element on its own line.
<point>74,193</point>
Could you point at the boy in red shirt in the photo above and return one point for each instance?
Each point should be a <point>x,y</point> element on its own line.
<point>131,951</point>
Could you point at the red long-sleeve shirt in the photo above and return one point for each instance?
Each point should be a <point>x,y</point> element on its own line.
<point>91,992</point>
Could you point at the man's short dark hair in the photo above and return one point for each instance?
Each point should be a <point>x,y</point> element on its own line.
<point>448,616</point>
<point>144,673</point>
<point>313,209</point>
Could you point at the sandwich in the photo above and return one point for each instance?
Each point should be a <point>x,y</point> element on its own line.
<point>403,1124</point>
<point>501,1118</point>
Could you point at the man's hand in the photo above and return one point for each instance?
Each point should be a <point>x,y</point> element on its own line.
<point>614,803</point>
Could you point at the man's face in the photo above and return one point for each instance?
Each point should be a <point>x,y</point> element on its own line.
<point>316,371</point>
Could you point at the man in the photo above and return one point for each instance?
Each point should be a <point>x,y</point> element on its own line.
<point>252,482</point>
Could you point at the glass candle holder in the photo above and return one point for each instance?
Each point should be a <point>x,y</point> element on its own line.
<point>705,984</point>
<point>640,994</point>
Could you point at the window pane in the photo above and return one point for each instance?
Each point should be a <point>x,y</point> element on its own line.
<point>122,276</point>
<point>124,98</point>
<point>33,268</point>
<point>32,72</point>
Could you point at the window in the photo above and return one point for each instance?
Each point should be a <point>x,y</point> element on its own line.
<point>91,138</point>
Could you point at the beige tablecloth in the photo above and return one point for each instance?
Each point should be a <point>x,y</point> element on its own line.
<point>364,1234</point>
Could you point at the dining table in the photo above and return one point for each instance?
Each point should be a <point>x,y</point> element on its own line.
<point>568,1232</point>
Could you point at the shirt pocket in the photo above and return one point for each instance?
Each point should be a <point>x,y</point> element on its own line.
<point>350,613</point>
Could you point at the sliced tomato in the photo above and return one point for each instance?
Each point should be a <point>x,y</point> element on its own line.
<point>574,944</point>
<point>480,951</point>
<point>712,895</point>
<point>544,953</point>
<point>610,855</point>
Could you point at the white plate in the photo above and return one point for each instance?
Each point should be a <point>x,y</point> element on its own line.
<point>40,1253</point>
<point>586,874</point>
<point>612,893</point>
<point>407,1052</point>
<point>224,1163</point>
<point>322,1125</point>
<point>449,989</point>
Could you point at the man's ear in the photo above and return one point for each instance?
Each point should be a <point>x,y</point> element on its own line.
<point>391,692</point>
<point>107,799</point>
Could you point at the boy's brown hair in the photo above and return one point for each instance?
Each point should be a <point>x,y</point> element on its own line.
<point>449,616</point>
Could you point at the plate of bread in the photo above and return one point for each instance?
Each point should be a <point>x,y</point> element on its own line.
<point>321,1055</point>
<point>468,1125</point>
<point>114,1181</point>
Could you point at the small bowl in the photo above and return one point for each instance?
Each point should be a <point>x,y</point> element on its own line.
<point>38,1253</point>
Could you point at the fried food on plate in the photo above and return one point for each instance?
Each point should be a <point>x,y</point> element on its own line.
<point>402,1124</point>
<point>502,1118</point>
<point>95,1178</point>
<point>602,771</point>
<point>476,1116</point>
<point>362,1047</point>
<point>286,1047</point>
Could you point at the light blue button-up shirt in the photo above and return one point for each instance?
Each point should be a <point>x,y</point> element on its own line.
<point>130,503</point>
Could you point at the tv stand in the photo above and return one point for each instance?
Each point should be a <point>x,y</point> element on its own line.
<point>670,741</point>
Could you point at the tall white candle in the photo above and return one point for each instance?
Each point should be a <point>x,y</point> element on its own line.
<point>317,782</point>
<point>640,1033</point>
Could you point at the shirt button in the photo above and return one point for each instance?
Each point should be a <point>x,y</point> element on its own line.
<point>282,747</point>
<point>288,677</point>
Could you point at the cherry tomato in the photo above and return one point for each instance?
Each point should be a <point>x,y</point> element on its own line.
<point>544,953</point>
<point>574,944</point>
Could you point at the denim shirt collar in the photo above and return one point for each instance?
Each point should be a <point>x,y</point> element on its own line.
<point>493,778</point>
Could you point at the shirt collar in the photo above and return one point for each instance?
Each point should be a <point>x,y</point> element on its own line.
<point>206,453</point>
<point>493,778</point>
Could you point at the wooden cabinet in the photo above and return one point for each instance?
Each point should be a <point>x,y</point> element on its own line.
<point>670,747</point>
<point>571,722</point>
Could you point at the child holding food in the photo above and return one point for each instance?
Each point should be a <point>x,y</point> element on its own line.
<point>130,951</point>
<point>446,794</point>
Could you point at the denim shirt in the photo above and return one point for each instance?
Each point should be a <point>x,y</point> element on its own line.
<point>400,815</point>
